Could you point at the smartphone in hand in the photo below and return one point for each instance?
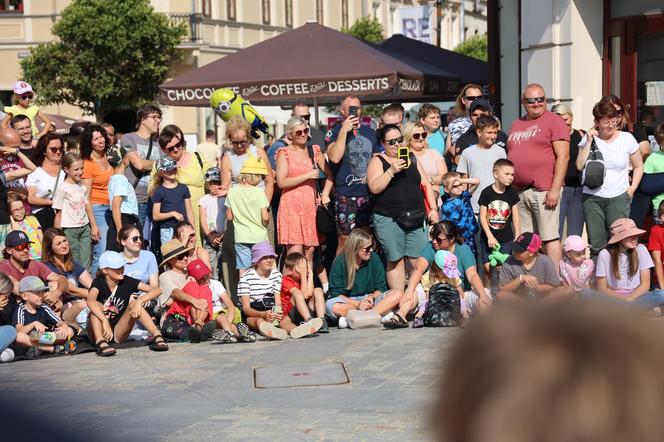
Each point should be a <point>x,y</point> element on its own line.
<point>403,153</point>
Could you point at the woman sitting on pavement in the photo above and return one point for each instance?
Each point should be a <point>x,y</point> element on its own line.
<point>357,282</point>
<point>446,236</point>
<point>139,264</point>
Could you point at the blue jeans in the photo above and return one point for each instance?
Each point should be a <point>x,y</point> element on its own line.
<point>648,300</point>
<point>103,218</point>
<point>142,213</point>
<point>571,209</point>
<point>7,336</point>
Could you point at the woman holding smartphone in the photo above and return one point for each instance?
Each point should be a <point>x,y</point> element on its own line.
<point>400,187</point>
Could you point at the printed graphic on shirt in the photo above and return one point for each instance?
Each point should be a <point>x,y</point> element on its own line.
<point>113,306</point>
<point>522,136</point>
<point>359,154</point>
<point>499,212</point>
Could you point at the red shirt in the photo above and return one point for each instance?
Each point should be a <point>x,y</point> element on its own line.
<point>33,268</point>
<point>192,288</point>
<point>530,148</point>
<point>656,242</point>
<point>287,284</point>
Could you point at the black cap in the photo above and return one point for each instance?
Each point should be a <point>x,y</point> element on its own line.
<point>480,102</point>
<point>16,238</point>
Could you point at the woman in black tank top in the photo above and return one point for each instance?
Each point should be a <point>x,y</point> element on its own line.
<point>399,188</point>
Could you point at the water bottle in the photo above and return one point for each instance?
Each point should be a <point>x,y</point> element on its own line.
<point>48,338</point>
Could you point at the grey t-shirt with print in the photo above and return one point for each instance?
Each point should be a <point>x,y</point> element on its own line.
<point>141,146</point>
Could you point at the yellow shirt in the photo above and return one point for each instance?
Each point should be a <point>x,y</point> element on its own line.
<point>30,112</point>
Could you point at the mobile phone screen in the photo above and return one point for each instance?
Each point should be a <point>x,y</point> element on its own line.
<point>403,153</point>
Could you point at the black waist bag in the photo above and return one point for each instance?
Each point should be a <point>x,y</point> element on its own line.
<point>444,307</point>
<point>594,171</point>
<point>410,220</point>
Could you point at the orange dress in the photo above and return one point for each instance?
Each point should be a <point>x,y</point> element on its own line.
<point>296,217</point>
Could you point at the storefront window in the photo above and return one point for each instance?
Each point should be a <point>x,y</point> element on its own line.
<point>650,81</point>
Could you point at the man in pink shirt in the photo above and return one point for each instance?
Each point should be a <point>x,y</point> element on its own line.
<point>538,145</point>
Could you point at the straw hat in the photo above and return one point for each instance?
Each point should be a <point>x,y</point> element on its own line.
<point>171,249</point>
<point>623,228</point>
<point>254,165</point>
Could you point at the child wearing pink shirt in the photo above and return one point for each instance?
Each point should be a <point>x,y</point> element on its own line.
<point>576,269</point>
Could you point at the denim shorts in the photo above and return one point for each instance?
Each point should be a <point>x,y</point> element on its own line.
<point>242,255</point>
<point>330,302</point>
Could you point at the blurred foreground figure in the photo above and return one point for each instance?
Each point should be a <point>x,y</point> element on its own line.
<point>565,373</point>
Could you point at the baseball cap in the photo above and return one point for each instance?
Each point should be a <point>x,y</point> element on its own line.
<point>574,243</point>
<point>527,241</point>
<point>213,174</point>
<point>167,164</point>
<point>111,260</point>
<point>21,87</point>
<point>16,238</point>
<point>32,284</point>
<point>261,250</point>
<point>480,102</point>
<point>197,269</point>
<point>115,155</point>
<point>447,262</point>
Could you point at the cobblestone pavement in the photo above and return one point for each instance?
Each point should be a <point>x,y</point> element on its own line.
<point>205,391</point>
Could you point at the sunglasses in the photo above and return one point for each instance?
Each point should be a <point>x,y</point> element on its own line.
<point>173,147</point>
<point>534,100</point>
<point>367,249</point>
<point>305,117</point>
<point>182,257</point>
<point>22,247</point>
<point>440,239</point>
<point>300,132</point>
<point>239,143</point>
<point>394,141</point>
<point>472,98</point>
<point>136,238</point>
<point>418,135</point>
<point>56,149</point>
<point>26,97</point>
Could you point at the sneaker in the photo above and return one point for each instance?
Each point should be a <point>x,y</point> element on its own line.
<point>306,328</point>
<point>32,353</point>
<point>66,348</point>
<point>7,355</point>
<point>387,317</point>
<point>342,322</point>
<point>272,332</point>
<point>395,322</point>
<point>223,337</point>
<point>418,322</point>
<point>324,328</point>
<point>246,335</point>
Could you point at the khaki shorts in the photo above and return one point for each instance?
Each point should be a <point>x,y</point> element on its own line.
<point>534,217</point>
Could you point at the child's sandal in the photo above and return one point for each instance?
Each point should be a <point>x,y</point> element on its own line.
<point>103,349</point>
<point>158,344</point>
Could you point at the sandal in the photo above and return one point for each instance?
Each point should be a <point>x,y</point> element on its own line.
<point>158,344</point>
<point>395,322</point>
<point>103,349</point>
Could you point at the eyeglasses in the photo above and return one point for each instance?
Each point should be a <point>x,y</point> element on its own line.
<point>394,141</point>
<point>136,238</point>
<point>239,143</point>
<point>173,147</point>
<point>18,209</point>
<point>154,117</point>
<point>22,247</point>
<point>26,96</point>
<point>418,135</point>
<point>300,132</point>
<point>56,149</point>
<point>534,100</point>
<point>609,122</point>
<point>367,249</point>
<point>472,98</point>
<point>440,239</point>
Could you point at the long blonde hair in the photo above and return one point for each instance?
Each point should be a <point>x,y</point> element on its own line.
<point>356,240</point>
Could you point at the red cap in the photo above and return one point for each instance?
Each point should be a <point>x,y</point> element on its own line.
<point>197,269</point>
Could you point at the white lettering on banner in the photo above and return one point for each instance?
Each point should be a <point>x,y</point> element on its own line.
<point>192,94</point>
<point>317,86</point>
<point>520,136</point>
<point>361,85</point>
<point>247,91</point>
<point>410,85</point>
<point>285,89</point>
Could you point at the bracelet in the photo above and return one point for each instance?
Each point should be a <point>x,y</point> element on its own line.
<point>391,175</point>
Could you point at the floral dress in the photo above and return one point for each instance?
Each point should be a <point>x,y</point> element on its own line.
<point>296,218</point>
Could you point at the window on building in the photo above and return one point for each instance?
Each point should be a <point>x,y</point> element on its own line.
<point>319,11</point>
<point>344,14</point>
<point>289,13</point>
<point>266,12</point>
<point>206,8</point>
<point>230,10</point>
<point>11,6</point>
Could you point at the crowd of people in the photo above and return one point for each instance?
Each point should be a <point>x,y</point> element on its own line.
<point>139,238</point>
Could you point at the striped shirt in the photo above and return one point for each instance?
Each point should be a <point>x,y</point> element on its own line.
<point>257,287</point>
<point>44,314</point>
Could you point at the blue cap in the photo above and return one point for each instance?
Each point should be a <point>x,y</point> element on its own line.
<point>111,260</point>
<point>167,164</point>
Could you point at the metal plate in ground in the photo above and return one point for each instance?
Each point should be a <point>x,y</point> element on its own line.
<point>303,375</point>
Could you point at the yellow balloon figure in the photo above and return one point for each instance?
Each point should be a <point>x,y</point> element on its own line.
<point>227,104</point>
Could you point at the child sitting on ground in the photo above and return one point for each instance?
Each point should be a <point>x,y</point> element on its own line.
<point>499,215</point>
<point>528,274</point>
<point>25,223</point>
<point>259,289</point>
<point>656,246</point>
<point>576,269</point>
<point>457,207</point>
<point>37,325</point>
<point>444,271</point>
<point>297,290</point>
<point>228,317</point>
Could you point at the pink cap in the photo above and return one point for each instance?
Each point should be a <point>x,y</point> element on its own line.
<point>574,243</point>
<point>21,87</point>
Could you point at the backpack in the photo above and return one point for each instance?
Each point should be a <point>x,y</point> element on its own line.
<point>444,307</point>
<point>594,170</point>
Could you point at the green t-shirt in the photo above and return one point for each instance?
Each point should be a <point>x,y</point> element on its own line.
<point>465,260</point>
<point>370,277</point>
<point>246,203</point>
<point>655,164</point>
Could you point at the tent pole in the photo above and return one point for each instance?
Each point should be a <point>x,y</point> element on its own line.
<point>316,122</point>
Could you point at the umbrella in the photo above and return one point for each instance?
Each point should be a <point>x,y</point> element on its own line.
<point>60,122</point>
<point>419,54</point>
<point>311,63</point>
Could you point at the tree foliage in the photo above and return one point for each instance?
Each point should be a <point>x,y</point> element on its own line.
<point>475,47</point>
<point>368,29</point>
<point>108,55</point>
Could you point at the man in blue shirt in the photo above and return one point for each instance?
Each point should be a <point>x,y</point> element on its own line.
<point>349,149</point>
